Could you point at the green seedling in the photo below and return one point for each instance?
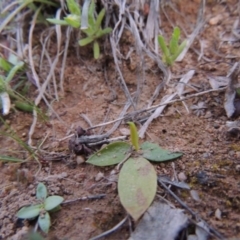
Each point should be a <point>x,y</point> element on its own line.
<point>7,93</point>
<point>93,31</point>
<point>137,183</point>
<point>171,52</point>
<point>42,209</point>
<point>20,6</point>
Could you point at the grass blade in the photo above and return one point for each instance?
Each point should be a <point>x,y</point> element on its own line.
<point>10,159</point>
<point>100,18</point>
<point>57,21</point>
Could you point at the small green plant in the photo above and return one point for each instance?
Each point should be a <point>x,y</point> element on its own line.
<point>51,203</point>
<point>171,52</point>
<point>94,30</point>
<point>137,183</point>
<point>20,6</point>
<point>10,71</point>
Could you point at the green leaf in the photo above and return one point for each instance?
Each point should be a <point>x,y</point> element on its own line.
<point>73,7</point>
<point>24,106</point>
<point>5,65</point>
<point>173,45</point>
<point>86,41</point>
<point>41,191</point>
<point>89,31</point>
<point>91,18</point>
<point>91,8</point>
<point>2,84</point>
<point>55,209</point>
<point>10,159</point>
<point>112,154</point>
<point>163,46</point>
<point>103,32</point>
<point>153,152</point>
<point>73,20</point>
<point>13,71</point>
<point>29,212</point>
<point>52,202</point>
<point>176,34</point>
<point>99,19</point>
<point>96,50</point>
<point>137,186</point>
<point>134,135</point>
<point>44,222</point>
<point>179,50</point>
<point>57,21</point>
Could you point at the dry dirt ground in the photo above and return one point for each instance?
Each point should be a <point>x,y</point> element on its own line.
<point>211,160</point>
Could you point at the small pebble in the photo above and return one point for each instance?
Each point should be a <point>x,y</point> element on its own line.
<point>182,177</point>
<point>215,20</point>
<point>80,160</point>
<point>238,168</point>
<point>99,176</point>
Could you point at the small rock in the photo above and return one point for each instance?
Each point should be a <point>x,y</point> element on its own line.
<point>182,177</point>
<point>24,134</point>
<point>218,214</point>
<point>215,20</point>
<point>99,176</point>
<point>80,160</point>
<point>238,168</point>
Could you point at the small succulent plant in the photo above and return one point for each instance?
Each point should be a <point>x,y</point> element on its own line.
<point>93,31</point>
<point>174,49</point>
<point>51,203</point>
